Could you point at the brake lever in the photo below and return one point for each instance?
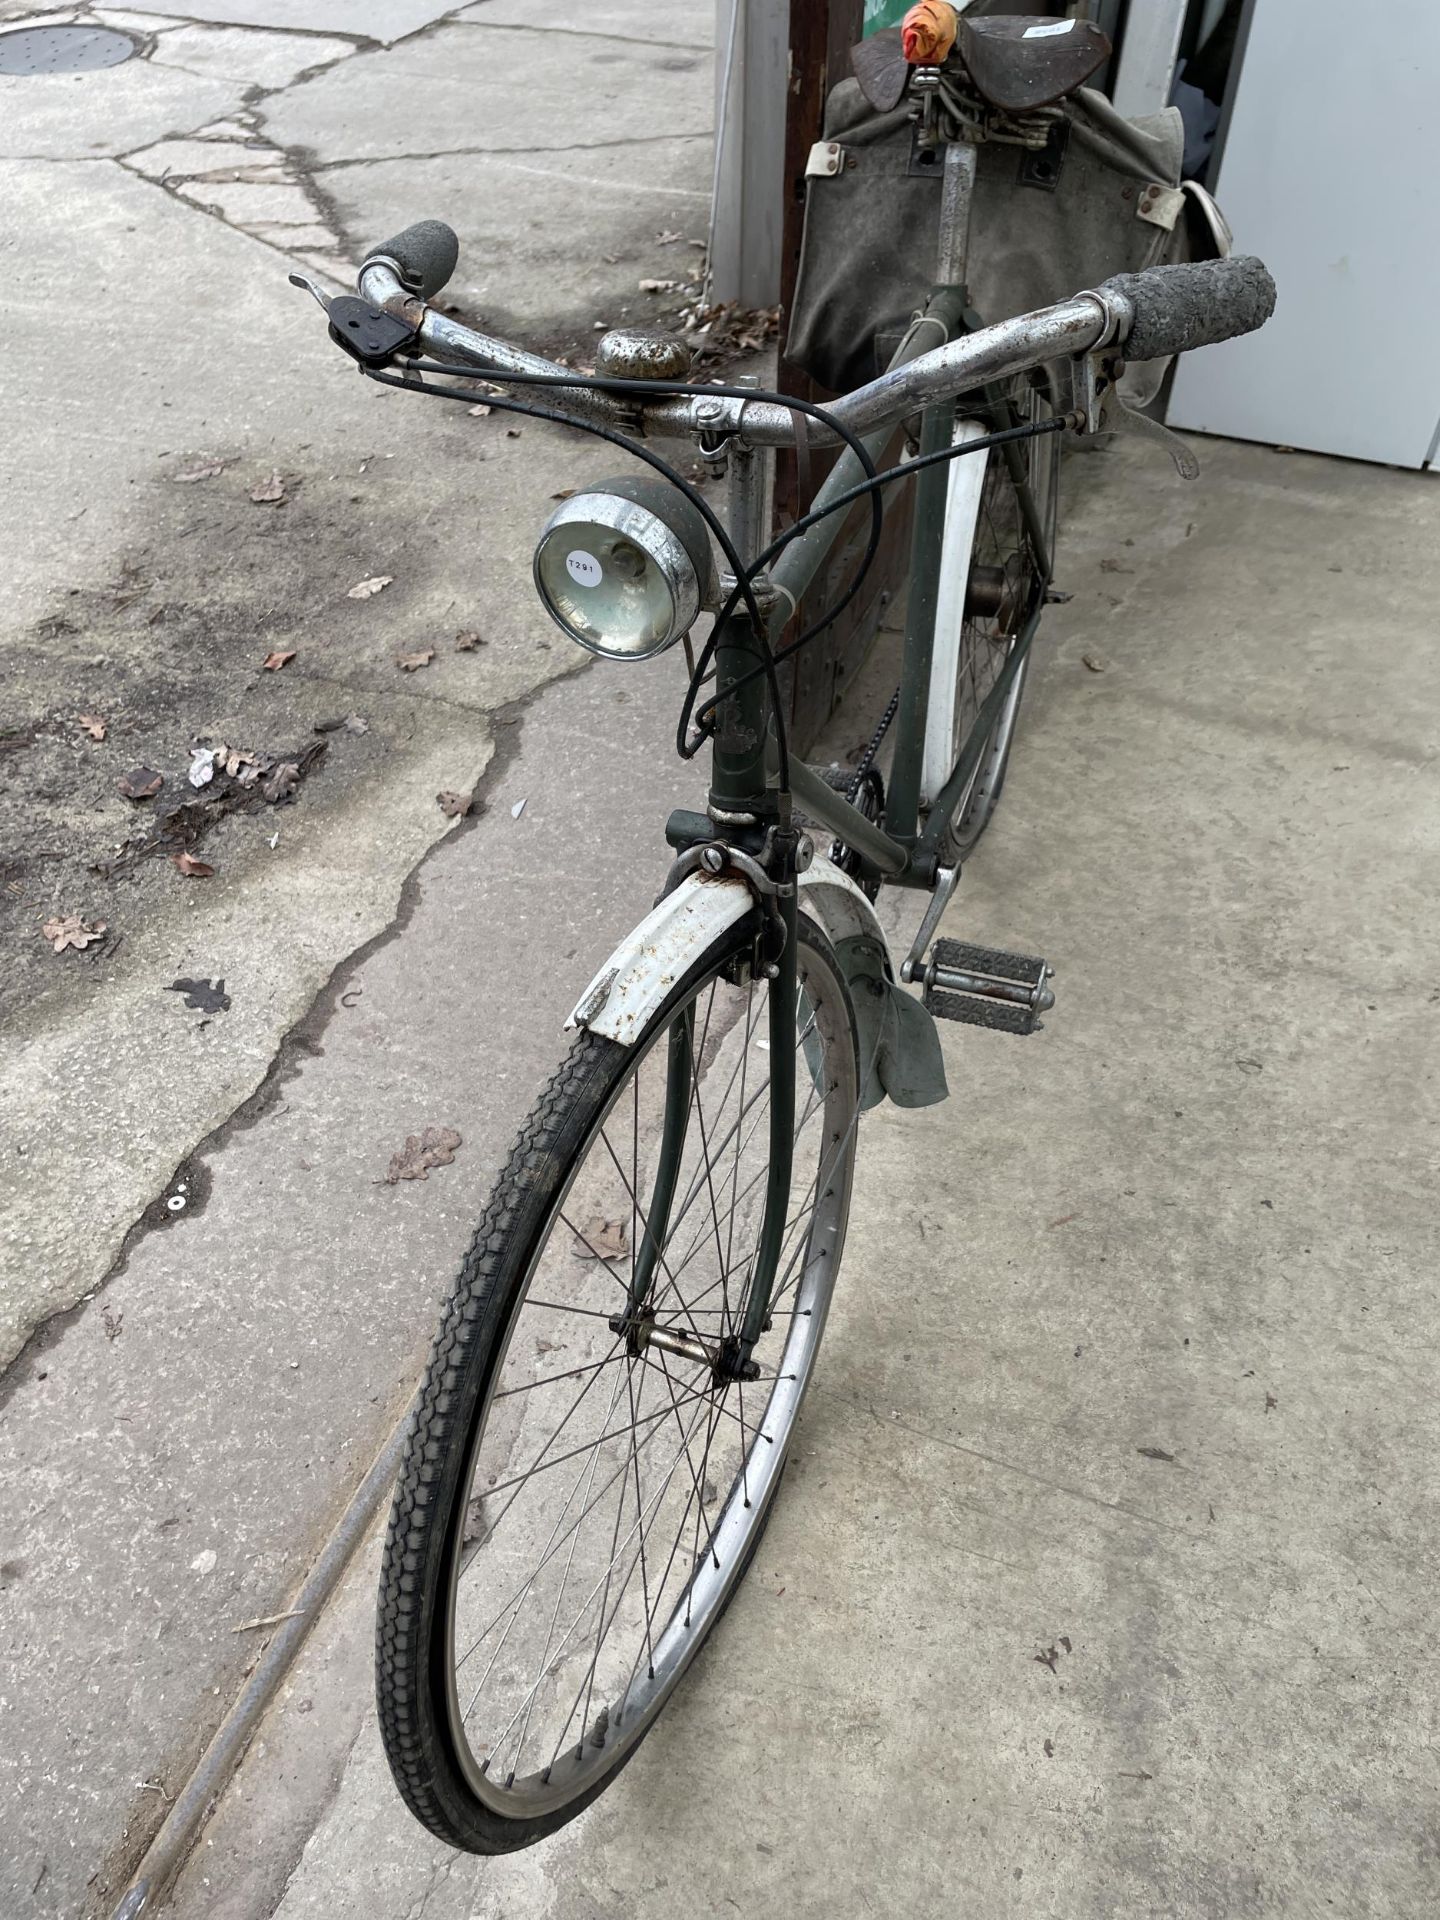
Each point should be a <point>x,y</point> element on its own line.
<point>1095,400</point>
<point>367,333</point>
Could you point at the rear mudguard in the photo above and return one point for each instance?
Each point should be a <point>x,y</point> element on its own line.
<point>899,1047</point>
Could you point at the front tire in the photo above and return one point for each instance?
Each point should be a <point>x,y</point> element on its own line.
<point>543,1445</point>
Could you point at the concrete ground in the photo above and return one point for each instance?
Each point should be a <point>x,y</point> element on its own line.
<point>1100,1580</point>
<point>1102,1575</point>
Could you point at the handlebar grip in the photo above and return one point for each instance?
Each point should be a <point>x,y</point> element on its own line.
<point>425,254</point>
<point>1194,305</point>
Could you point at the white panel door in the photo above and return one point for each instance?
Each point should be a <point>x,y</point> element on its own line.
<point>1331,173</point>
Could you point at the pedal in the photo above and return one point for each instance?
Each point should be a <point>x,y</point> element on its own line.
<point>1006,992</point>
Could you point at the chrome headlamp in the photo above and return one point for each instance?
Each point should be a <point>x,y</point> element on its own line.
<point>625,567</point>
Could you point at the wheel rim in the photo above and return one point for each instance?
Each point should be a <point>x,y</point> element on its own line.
<point>994,614</point>
<point>642,1501</point>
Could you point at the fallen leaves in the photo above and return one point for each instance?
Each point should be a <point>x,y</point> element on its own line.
<point>468,641</point>
<point>69,930</point>
<point>1157,1453</point>
<point>367,589</point>
<point>281,781</point>
<point>204,466</point>
<point>601,1239</point>
<point>271,492</point>
<point>1096,662</point>
<point>658,286</point>
<point>140,783</point>
<point>435,1147</point>
<point>412,662</point>
<point>455,805</point>
<point>202,996</point>
<point>668,237</point>
<point>480,411</point>
<point>192,868</point>
<point>92,723</point>
<point>273,662</point>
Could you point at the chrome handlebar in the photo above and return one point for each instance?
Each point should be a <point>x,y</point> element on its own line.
<point>1066,331</point>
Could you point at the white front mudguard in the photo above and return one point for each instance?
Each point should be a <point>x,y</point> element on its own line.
<point>899,1049</point>
<point>634,982</point>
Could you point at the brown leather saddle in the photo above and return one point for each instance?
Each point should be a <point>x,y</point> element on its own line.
<point>1015,62</point>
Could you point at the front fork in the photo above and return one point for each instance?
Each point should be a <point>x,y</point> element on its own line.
<point>748,829</point>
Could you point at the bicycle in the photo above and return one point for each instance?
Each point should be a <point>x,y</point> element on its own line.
<point>603,1425</point>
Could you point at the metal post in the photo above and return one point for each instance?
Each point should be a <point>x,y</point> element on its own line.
<point>751,63</point>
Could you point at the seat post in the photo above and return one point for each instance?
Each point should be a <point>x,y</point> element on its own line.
<point>957,198</point>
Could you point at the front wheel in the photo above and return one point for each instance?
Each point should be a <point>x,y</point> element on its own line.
<point>577,1504</point>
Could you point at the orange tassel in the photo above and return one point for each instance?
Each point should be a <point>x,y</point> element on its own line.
<point>927,33</point>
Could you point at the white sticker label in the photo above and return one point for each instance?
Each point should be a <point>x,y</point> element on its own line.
<point>1044,33</point>
<point>584,569</point>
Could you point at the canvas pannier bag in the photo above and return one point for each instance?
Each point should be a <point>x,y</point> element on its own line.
<point>1110,204</point>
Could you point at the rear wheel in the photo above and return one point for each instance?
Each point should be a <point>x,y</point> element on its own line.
<point>578,1503</point>
<point>1004,576</point>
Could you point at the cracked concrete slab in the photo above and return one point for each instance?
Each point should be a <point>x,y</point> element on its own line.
<point>607,19</point>
<point>162,1412</point>
<point>504,90</point>
<point>81,116</point>
<point>520,271</point>
<point>258,59</point>
<point>379,20</point>
<point>268,1338</point>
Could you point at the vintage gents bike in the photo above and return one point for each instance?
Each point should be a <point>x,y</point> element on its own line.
<point>599,1438</point>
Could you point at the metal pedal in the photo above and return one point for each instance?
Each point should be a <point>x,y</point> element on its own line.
<point>984,987</point>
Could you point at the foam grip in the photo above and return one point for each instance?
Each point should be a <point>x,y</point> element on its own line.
<point>1194,305</point>
<point>426,255</point>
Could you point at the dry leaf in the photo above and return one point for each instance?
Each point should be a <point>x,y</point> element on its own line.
<point>1096,662</point>
<point>92,723</point>
<point>512,433</point>
<point>565,493</point>
<point>411,662</point>
<point>658,286</point>
<point>72,931</point>
<point>367,589</point>
<point>601,1239</point>
<point>271,492</point>
<point>435,1147</point>
<point>455,805</point>
<point>480,411</point>
<point>468,641</point>
<point>668,237</point>
<point>141,783</point>
<point>281,782</point>
<point>192,868</point>
<point>205,468</point>
<point>273,662</point>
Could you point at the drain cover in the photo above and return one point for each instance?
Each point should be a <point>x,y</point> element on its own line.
<point>62,49</point>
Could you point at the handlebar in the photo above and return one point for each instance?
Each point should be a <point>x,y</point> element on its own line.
<point>1147,315</point>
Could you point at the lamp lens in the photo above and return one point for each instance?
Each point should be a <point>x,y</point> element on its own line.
<point>607,592</point>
